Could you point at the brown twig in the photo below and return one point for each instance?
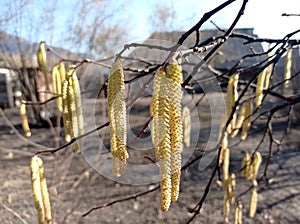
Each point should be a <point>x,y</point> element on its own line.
<point>72,140</point>
<point>134,196</point>
<point>13,212</point>
<point>24,139</point>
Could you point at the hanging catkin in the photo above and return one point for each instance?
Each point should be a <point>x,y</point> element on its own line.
<point>77,116</point>
<point>156,137</point>
<point>40,190</point>
<point>42,61</point>
<point>167,129</point>
<point>246,171</point>
<point>288,67</point>
<point>117,117</point>
<point>247,120</point>
<point>62,71</point>
<point>66,113</point>
<point>260,87</point>
<point>175,75</point>
<point>44,191</point>
<point>250,166</point>
<point>56,84</point>
<point>163,144</point>
<point>36,188</point>
<point>229,189</point>
<point>240,119</point>
<point>232,96</point>
<point>58,77</point>
<point>238,214</point>
<point>253,203</point>
<point>72,108</point>
<point>269,70</point>
<point>24,120</point>
<point>186,120</point>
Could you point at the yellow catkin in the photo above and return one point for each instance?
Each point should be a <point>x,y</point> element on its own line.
<point>231,188</point>
<point>9,199</point>
<point>164,156</point>
<point>62,71</point>
<point>72,113</point>
<point>253,203</point>
<point>232,96</point>
<point>56,83</point>
<point>66,113</point>
<point>42,61</point>
<point>61,76</point>
<point>44,191</point>
<point>176,126</point>
<point>71,103</point>
<point>24,120</point>
<point>247,120</point>
<point>167,129</point>
<point>240,119</point>
<point>246,166</point>
<point>226,162</point>
<point>268,76</point>
<point>269,70</point>
<point>260,87</point>
<point>288,67</point>
<point>117,117</point>
<point>70,107</point>
<point>161,134</point>
<point>55,79</point>
<point>256,164</point>
<point>263,82</point>
<point>226,208</point>
<point>238,214</point>
<point>77,116</point>
<point>155,135</point>
<point>250,166</point>
<point>186,119</point>
<point>36,188</point>
<point>223,147</point>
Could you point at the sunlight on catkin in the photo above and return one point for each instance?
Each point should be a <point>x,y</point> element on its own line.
<point>56,83</point>
<point>42,61</point>
<point>117,117</point>
<point>260,87</point>
<point>288,67</point>
<point>36,188</point>
<point>232,96</point>
<point>24,120</point>
<point>247,120</point>
<point>176,127</point>
<point>187,125</point>
<point>238,213</point>
<point>77,125</point>
<point>45,194</point>
<point>66,113</point>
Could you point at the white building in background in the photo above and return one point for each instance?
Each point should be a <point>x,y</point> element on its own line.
<point>9,93</point>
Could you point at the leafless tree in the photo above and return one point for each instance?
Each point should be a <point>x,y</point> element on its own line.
<point>261,119</point>
<point>163,17</point>
<point>90,28</point>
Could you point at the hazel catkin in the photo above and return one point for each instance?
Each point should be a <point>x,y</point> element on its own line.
<point>117,117</point>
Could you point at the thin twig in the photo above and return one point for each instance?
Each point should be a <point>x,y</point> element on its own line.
<point>134,196</point>
<point>14,213</point>
<point>24,139</point>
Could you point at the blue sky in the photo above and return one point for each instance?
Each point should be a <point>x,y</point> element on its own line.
<point>262,15</point>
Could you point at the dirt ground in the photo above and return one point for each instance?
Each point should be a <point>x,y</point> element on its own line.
<point>75,187</point>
